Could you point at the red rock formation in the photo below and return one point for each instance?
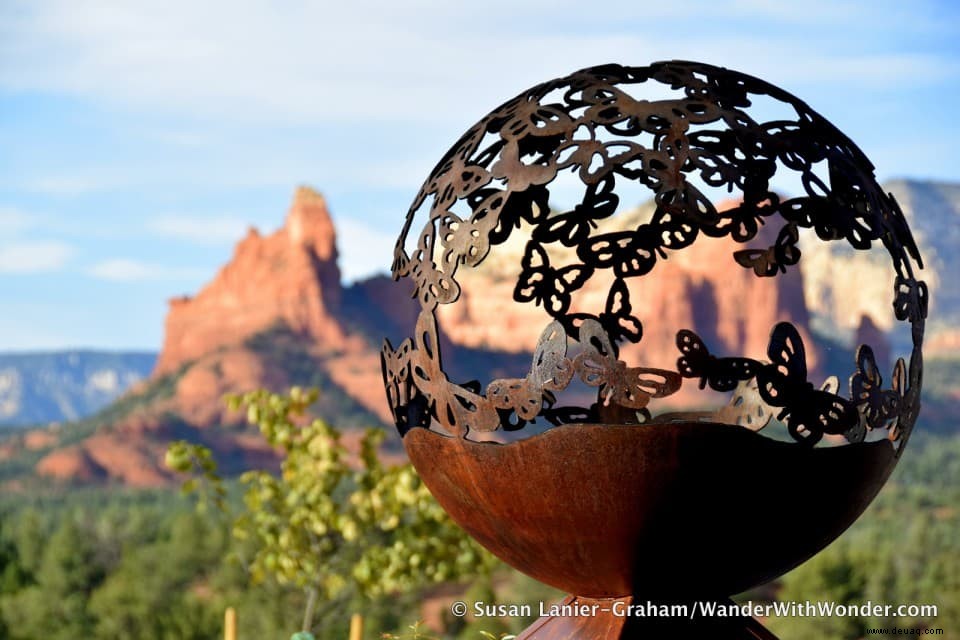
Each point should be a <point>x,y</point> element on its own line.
<point>700,288</point>
<point>198,394</point>
<point>70,464</point>
<point>276,314</point>
<point>37,439</point>
<point>284,287</point>
<point>290,276</point>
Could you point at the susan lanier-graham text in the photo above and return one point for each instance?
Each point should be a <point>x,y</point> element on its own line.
<point>574,609</point>
<point>648,609</point>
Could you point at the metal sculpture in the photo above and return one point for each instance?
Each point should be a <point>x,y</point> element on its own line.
<point>494,182</point>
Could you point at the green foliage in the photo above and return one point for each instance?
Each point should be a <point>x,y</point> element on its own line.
<point>108,563</point>
<point>338,526</point>
<point>166,572</point>
<point>188,457</point>
<point>55,605</point>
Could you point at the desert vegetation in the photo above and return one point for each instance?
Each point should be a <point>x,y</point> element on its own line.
<point>338,531</point>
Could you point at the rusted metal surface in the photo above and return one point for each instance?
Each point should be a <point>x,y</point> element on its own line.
<point>663,510</point>
<point>594,123</point>
<point>617,501</point>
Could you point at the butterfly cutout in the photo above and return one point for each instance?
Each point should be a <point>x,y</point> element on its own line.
<point>723,374</point>
<point>686,202</point>
<point>878,405</point>
<point>898,223</point>
<point>545,285</point>
<point>530,118</point>
<point>595,158</point>
<point>741,222</point>
<point>459,409</point>
<point>908,399</point>
<point>830,220</point>
<point>433,286</point>
<point>629,253</point>
<point>616,319</point>
<point>910,299</point>
<point>619,385</point>
<point>408,405</point>
<point>715,170</point>
<point>856,211</point>
<point>672,231</point>
<point>464,242</point>
<point>573,227</point>
<point>746,408</point>
<point>551,371</point>
<point>811,212</point>
<point>767,262</point>
<point>809,412</point>
<point>569,228</point>
<point>462,180</point>
<point>521,175</point>
<point>395,367</point>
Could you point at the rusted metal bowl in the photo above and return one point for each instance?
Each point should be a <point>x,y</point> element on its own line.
<point>617,499</point>
<point>673,510</point>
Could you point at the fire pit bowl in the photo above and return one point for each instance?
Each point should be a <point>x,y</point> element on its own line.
<point>617,480</point>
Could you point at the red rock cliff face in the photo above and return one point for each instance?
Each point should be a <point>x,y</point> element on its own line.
<point>273,316</point>
<point>700,288</point>
<point>291,276</point>
<point>333,334</point>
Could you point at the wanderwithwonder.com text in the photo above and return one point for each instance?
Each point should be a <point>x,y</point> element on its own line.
<point>708,609</point>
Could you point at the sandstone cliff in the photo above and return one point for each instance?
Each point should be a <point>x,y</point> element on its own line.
<point>290,276</point>
<point>842,284</point>
<point>700,288</point>
<point>276,314</point>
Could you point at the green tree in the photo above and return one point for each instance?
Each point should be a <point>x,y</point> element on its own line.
<point>55,607</point>
<point>339,525</point>
<point>13,576</point>
<point>151,593</point>
<point>30,538</point>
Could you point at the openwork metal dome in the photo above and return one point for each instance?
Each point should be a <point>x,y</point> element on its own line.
<point>613,497</point>
<point>700,139</point>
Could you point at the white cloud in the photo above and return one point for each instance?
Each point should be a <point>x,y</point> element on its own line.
<point>364,251</point>
<point>14,220</point>
<point>68,185</point>
<point>221,94</point>
<point>34,257</point>
<point>127,270</point>
<point>393,62</point>
<point>202,230</point>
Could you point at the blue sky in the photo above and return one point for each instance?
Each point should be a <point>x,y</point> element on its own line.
<point>138,140</point>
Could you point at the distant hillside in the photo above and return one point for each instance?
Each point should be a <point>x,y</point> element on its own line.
<point>39,388</point>
<point>277,314</point>
<point>933,209</point>
<point>841,284</point>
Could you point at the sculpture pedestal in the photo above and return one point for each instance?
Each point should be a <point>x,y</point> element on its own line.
<point>612,619</point>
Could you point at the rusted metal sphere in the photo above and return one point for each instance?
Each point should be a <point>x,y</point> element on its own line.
<point>614,499</point>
